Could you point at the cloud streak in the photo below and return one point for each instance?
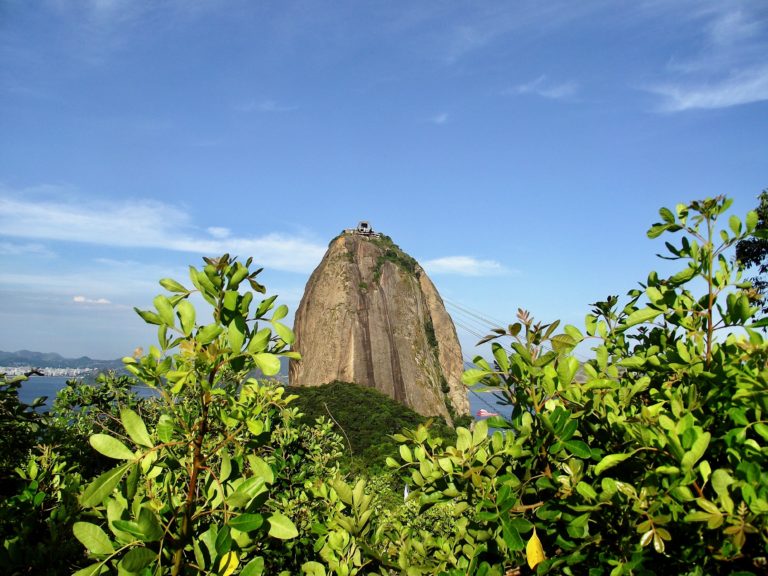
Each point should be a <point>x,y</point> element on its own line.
<point>464,266</point>
<point>84,300</point>
<point>439,119</point>
<point>745,87</point>
<point>264,107</point>
<point>543,87</point>
<point>147,224</point>
<point>728,67</point>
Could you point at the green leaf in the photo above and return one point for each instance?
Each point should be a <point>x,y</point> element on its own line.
<point>751,220</point>
<point>313,568</point>
<point>667,215</point>
<point>102,486</point>
<point>149,525</point>
<point>697,450</point>
<point>259,341</point>
<point>285,333</point>
<point>247,522</point>
<point>682,277</point>
<point>137,559</point>
<point>721,479</point>
<point>463,439</point>
<point>473,376</point>
<point>261,469</point>
<point>501,356</point>
<point>209,333</point>
<point>91,570</point>
<point>149,317</point>
<point>610,461</point>
<point>280,313</point>
<point>164,309</point>
<point>93,538</point>
<point>498,422</point>
<point>281,527</point>
<point>246,491</point>
<point>578,448</point>
<point>230,300</point>
<point>254,568</point>
<point>639,317</point>
<point>111,447</point>
<point>563,342</point>
<point>236,334</point>
<point>135,427</point>
<point>269,364</point>
<point>186,312</point>
<point>734,224</point>
<point>165,427</point>
<point>172,286</point>
<point>511,536</point>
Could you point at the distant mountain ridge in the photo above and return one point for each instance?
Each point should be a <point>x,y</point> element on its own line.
<point>55,360</point>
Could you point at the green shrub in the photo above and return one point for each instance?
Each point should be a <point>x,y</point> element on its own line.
<point>656,463</point>
<point>223,482</point>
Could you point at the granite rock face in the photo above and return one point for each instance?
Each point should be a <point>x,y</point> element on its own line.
<point>370,315</point>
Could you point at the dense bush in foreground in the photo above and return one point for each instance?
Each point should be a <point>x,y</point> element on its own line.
<point>653,463</point>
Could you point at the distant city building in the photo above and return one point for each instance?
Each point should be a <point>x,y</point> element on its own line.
<point>48,371</point>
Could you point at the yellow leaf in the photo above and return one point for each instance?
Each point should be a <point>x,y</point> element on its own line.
<point>534,552</point>
<point>228,563</point>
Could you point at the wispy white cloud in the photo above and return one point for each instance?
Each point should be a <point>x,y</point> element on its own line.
<point>12,249</point>
<point>439,119</point>
<point>545,88</point>
<point>464,266</point>
<point>219,232</point>
<point>146,224</point>
<point>744,87</point>
<point>84,300</point>
<point>733,26</point>
<point>263,106</point>
<point>727,68</point>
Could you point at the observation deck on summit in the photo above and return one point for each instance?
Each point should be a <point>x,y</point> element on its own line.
<point>364,228</point>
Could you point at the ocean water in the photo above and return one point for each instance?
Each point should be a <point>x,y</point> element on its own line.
<point>48,386</point>
<point>38,386</point>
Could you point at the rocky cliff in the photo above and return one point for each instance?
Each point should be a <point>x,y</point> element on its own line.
<point>370,315</point>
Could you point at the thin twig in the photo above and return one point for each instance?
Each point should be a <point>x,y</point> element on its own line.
<point>340,427</point>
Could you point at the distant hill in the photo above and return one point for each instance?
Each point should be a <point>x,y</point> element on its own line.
<point>55,360</point>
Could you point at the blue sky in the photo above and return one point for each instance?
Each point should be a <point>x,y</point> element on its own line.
<point>519,150</point>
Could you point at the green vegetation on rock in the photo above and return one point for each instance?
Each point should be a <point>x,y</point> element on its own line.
<point>391,252</point>
<point>366,418</point>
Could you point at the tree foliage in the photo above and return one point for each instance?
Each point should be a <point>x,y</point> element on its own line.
<point>752,252</point>
<point>656,463</point>
<point>650,458</point>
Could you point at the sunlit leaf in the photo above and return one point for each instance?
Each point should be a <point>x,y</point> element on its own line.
<point>280,526</point>
<point>135,427</point>
<point>102,486</point>
<point>186,312</point>
<point>111,447</point>
<point>534,551</point>
<point>228,564</point>
<point>93,538</point>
